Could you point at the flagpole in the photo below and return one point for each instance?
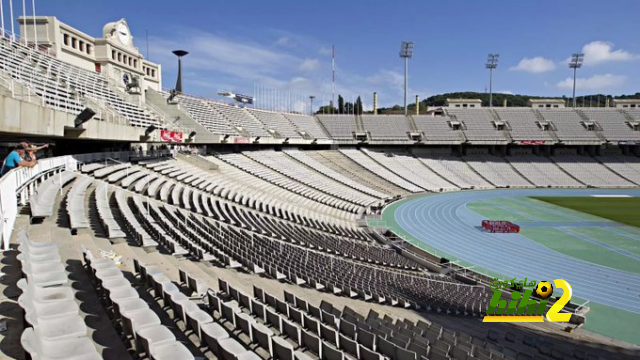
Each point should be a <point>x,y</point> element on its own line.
<point>13,33</point>
<point>35,34</point>
<point>2,17</point>
<point>333,73</point>
<point>24,18</point>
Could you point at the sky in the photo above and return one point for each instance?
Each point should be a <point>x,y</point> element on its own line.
<point>285,44</point>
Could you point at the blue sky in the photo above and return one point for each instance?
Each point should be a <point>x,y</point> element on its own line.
<point>287,44</point>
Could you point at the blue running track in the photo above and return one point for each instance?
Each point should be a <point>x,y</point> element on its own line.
<point>444,223</point>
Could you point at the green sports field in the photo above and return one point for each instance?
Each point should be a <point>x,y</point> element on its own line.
<point>625,210</point>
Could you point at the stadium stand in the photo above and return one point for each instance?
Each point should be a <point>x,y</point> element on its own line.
<point>373,166</point>
<point>249,251</point>
<point>309,125</point>
<point>63,86</point>
<point>339,127</point>
<point>496,170</point>
<point>589,171</point>
<point>568,125</point>
<point>613,124</point>
<point>204,114</point>
<point>411,169</point>
<point>479,125</point>
<point>438,129</point>
<point>387,127</point>
<point>523,124</point>
<point>542,172</point>
<point>241,118</point>
<point>456,171</point>
<point>276,122</point>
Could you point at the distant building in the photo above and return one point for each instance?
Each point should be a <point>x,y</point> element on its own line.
<point>464,103</point>
<point>626,103</point>
<point>546,103</point>
<point>114,55</point>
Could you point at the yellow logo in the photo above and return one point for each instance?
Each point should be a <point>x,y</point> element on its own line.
<point>522,304</point>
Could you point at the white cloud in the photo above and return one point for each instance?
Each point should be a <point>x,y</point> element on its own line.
<point>283,41</point>
<point>597,52</point>
<point>309,65</point>
<point>534,65</point>
<point>595,82</point>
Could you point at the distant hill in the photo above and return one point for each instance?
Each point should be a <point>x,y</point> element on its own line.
<point>595,100</point>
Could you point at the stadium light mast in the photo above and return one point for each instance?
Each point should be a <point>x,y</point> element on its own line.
<point>492,63</point>
<point>406,52</point>
<point>311,97</point>
<point>575,64</point>
<point>179,54</point>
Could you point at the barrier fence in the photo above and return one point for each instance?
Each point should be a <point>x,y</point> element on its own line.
<point>21,181</point>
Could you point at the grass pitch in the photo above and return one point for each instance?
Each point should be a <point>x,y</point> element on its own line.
<point>625,210</point>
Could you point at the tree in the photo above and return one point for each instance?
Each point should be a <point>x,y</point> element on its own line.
<point>327,109</point>
<point>340,104</point>
<point>358,109</point>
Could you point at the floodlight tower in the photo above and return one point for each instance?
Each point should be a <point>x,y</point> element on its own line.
<point>492,63</point>
<point>179,54</point>
<point>406,52</point>
<point>311,97</point>
<point>575,64</point>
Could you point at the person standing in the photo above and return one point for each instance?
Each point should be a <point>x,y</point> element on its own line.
<point>16,158</point>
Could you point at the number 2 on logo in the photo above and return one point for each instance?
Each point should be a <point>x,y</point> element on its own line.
<point>554,313</point>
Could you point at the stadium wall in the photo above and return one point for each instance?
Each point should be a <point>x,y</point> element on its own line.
<point>30,119</point>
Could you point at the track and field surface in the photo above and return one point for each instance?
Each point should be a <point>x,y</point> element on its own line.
<point>599,257</point>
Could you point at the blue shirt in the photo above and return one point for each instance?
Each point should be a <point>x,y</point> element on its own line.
<point>11,162</point>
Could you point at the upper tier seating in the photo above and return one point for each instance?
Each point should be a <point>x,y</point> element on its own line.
<point>276,122</point>
<point>568,125</point>
<point>340,127</point>
<point>62,85</point>
<point>478,124</point>
<point>613,124</point>
<point>437,129</point>
<point>523,124</point>
<point>204,114</point>
<point>387,127</point>
<point>309,125</point>
<point>241,118</point>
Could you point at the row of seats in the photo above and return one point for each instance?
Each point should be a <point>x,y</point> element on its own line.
<point>54,328</point>
<point>63,85</point>
<point>140,325</point>
<point>43,198</point>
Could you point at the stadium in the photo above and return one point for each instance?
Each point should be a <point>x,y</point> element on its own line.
<point>159,224</point>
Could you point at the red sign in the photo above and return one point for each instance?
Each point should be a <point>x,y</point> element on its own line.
<point>165,135</point>
<point>176,136</point>
<point>241,140</point>
<point>533,142</point>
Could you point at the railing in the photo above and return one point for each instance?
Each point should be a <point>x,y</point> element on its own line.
<point>16,182</point>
